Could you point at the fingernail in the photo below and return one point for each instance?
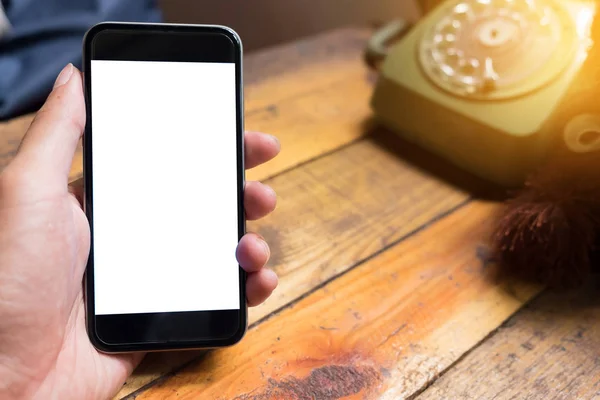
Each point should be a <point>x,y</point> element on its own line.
<point>64,76</point>
<point>276,141</point>
<point>270,189</point>
<point>265,247</point>
<point>258,235</point>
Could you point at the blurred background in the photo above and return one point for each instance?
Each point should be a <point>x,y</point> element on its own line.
<point>478,61</point>
<point>267,22</point>
<point>39,37</point>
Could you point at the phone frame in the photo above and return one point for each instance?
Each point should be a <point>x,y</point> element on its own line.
<point>190,329</point>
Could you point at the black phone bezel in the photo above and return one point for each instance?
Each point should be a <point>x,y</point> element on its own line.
<point>171,330</point>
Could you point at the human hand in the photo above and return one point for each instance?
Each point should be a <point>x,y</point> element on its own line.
<point>44,245</point>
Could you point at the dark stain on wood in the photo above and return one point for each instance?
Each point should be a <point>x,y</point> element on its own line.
<point>347,222</point>
<point>273,110</point>
<point>326,328</point>
<point>484,255</point>
<point>330,382</point>
<point>385,372</point>
<point>527,346</point>
<point>540,335</point>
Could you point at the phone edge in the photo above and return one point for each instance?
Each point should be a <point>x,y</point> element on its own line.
<point>88,280</point>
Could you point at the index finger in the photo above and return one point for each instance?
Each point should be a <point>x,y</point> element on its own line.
<point>260,148</point>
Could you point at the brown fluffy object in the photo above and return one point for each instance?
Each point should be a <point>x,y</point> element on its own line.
<point>549,231</point>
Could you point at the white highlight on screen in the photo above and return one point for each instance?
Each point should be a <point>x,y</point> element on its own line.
<point>164,186</point>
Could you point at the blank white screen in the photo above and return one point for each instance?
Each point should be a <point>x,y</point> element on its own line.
<point>164,186</point>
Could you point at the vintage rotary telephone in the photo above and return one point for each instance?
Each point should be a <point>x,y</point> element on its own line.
<point>492,85</point>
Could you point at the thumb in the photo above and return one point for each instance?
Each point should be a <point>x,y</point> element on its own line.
<point>51,141</point>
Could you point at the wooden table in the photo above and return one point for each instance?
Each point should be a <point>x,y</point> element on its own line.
<point>386,288</point>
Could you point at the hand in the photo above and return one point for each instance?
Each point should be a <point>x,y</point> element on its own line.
<point>44,244</point>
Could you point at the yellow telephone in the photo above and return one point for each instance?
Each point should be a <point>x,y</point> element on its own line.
<point>490,84</point>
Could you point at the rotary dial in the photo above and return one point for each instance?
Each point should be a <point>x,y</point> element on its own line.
<point>497,48</point>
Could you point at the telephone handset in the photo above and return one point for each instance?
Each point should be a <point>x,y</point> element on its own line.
<point>491,85</point>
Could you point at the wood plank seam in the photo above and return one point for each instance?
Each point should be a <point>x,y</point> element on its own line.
<point>477,345</point>
<point>313,159</point>
<point>415,231</point>
<point>387,212</point>
<point>549,349</point>
<point>435,290</point>
<point>297,95</point>
<point>135,393</point>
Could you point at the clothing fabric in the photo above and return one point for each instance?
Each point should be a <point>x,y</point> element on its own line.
<point>4,23</point>
<point>40,37</point>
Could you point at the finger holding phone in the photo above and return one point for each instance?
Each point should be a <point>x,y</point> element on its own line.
<point>176,268</point>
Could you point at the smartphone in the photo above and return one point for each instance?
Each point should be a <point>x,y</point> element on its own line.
<point>164,179</point>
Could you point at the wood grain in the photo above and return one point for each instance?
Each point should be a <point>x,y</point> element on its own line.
<point>384,330</point>
<point>549,350</point>
<point>311,125</point>
<point>312,94</point>
<point>334,213</point>
<point>381,279</point>
<point>343,208</point>
<point>284,71</point>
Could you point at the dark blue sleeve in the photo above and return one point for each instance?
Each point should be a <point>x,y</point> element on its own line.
<point>44,36</point>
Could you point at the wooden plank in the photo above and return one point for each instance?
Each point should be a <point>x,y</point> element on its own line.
<point>312,94</point>
<point>317,92</point>
<point>549,350</point>
<point>311,125</point>
<point>287,70</point>
<point>383,330</point>
<point>334,213</point>
<point>341,209</point>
